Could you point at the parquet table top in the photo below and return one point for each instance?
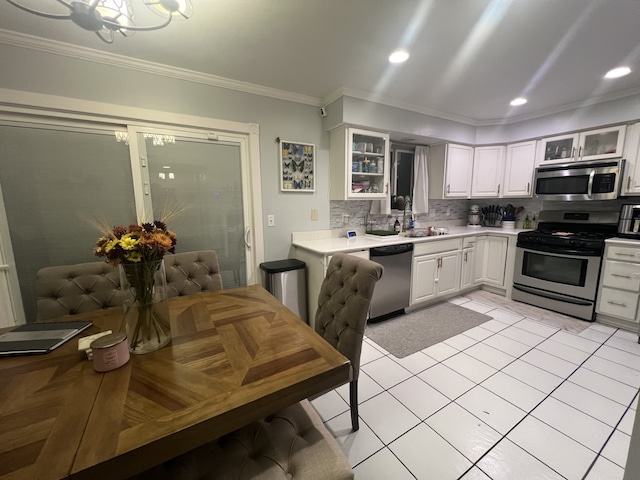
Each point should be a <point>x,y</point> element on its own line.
<point>235,356</point>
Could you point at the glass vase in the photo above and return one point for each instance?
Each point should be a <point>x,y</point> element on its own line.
<point>146,309</point>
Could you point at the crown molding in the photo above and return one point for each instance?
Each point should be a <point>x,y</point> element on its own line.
<point>54,47</point>
<point>562,108</point>
<point>346,92</point>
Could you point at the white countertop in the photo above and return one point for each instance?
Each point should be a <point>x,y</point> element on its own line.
<point>630,242</point>
<point>329,246</point>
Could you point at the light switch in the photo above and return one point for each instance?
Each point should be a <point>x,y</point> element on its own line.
<point>271,220</point>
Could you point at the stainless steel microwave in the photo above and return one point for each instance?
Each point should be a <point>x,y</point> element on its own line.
<point>590,180</point>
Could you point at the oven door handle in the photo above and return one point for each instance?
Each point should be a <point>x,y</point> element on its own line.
<point>590,185</point>
<point>558,251</point>
<point>551,295</point>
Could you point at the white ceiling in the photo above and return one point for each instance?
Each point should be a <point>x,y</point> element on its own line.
<point>469,58</point>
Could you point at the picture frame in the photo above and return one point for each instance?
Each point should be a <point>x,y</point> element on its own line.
<point>297,166</point>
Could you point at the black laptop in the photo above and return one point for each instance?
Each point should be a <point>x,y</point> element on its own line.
<point>36,338</point>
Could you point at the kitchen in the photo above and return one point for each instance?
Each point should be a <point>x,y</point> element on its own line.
<point>276,114</point>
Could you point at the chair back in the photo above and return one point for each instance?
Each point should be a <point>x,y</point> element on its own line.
<point>72,289</point>
<point>343,304</point>
<point>85,287</point>
<point>189,273</point>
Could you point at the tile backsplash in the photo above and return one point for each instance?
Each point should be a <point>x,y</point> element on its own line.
<point>353,214</point>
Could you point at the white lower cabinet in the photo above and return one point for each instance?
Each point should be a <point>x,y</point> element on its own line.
<point>468,276</point>
<point>620,283</point>
<point>494,260</point>
<point>435,270</point>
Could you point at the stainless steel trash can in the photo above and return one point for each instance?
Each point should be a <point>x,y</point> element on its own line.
<point>286,280</point>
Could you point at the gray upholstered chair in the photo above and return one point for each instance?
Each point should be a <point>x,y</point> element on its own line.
<point>85,287</point>
<point>72,289</point>
<point>290,444</point>
<point>343,307</point>
<point>192,272</point>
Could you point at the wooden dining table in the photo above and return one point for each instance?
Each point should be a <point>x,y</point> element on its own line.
<point>235,356</point>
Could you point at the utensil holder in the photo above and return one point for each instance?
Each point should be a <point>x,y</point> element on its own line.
<point>493,220</point>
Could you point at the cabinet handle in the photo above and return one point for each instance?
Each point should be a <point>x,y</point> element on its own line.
<point>465,256</point>
<point>573,152</point>
<point>386,188</point>
<point>498,189</point>
<point>580,152</point>
<point>628,183</point>
<point>624,254</point>
<point>449,188</point>
<point>528,186</point>
<point>617,304</point>
<point>621,276</point>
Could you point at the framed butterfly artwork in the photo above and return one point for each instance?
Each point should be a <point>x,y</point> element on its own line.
<point>297,167</point>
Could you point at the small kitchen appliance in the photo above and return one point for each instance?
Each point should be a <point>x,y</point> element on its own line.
<point>474,218</point>
<point>629,224</point>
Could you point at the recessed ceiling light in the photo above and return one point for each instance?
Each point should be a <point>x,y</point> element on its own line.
<point>518,101</point>
<point>399,56</point>
<point>618,72</point>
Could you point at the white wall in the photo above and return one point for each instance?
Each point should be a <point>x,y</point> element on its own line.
<point>34,71</point>
<point>592,116</point>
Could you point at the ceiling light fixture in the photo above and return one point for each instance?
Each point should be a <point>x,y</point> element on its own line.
<point>399,56</point>
<point>518,101</point>
<point>618,72</point>
<point>107,17</point>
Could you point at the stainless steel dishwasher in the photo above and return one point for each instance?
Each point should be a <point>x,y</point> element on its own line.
<point>392,291</point>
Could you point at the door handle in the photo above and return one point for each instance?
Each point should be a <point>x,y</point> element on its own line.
<point>247,237</point>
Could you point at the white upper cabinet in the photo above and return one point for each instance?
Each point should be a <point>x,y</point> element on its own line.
<point>519,168</point>
<point>488,166</point>
<point>458,171</point>
<point>359,164</point>
<point>631,180</point>
<point>587,145</point>
<point>602,143</point>
<point>450,171</point>
<point>560,149</point>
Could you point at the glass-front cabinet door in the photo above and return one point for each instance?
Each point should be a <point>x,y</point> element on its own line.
<point>558,149</point>
<point>602,143</point>
<point>588,145</point>
<point>359,164</point>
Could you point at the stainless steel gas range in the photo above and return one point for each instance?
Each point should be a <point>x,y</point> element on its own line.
<point>557,266</point>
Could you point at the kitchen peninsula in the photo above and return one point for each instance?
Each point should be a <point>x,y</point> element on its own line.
<point>478,257</point>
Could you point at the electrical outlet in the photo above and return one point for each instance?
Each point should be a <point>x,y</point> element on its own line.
<point>314,215</point>
<point>271,220</point>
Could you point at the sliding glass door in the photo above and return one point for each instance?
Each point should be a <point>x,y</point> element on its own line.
<point>200,181</point>
<point>57,182</point>
<point>61,181</point>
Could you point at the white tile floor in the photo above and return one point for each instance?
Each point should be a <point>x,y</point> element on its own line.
<point>513,398</point>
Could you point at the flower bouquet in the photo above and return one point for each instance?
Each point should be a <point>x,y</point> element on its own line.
<point>138,251</point>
